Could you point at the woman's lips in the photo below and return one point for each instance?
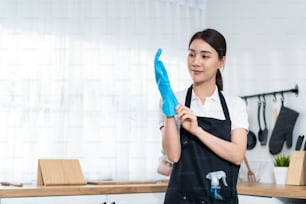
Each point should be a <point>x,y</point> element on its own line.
<point>196,72</point>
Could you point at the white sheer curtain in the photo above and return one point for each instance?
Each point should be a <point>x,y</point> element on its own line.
<point>77,81</point>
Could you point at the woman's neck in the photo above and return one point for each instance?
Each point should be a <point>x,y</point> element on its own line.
<point>203,90</point>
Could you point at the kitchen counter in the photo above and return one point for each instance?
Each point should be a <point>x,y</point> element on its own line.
<point>122,187</point>
<point>272,190</point>
<point>93,188</point>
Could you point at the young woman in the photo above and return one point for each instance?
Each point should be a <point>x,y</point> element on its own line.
<point>204,131</point>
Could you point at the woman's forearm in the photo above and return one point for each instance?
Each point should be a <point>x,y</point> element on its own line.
<point>171,140</point>
<point>232,151</point>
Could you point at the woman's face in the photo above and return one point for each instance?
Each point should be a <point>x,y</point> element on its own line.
<point>203,62</point>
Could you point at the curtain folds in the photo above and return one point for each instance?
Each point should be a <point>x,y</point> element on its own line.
<point>77,81</point>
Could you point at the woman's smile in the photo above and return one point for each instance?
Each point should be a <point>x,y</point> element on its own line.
<point>196,72</point>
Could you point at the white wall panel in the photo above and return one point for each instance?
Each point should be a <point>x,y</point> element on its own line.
<point>266,49</point>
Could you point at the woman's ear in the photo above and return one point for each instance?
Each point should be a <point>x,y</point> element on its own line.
<point>222,62</point>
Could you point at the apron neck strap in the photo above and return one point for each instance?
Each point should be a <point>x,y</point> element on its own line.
<point>222,100</point>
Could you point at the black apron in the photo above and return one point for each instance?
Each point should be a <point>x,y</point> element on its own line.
<point>191,177</point>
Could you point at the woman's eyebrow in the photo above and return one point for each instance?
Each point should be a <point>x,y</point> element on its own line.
<point>202,51</point>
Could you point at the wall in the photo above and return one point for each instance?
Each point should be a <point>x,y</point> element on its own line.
<point>266,52</point>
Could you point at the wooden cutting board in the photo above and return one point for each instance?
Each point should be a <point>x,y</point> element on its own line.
<point>59,172</point>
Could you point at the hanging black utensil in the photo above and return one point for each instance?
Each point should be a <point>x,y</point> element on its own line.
<point>251,142</point>
<point>264,135</point>
<point>260,131</point>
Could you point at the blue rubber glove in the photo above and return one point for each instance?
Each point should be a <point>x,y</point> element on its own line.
<point>161,77</point>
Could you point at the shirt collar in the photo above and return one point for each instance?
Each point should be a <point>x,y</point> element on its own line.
<point>214,97</point>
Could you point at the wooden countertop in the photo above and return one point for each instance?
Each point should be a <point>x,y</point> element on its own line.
<point>272,190</point>
<point>93,188</point>
<point>122,187</point>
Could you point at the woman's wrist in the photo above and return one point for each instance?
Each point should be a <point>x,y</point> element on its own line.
<point>198,131</point>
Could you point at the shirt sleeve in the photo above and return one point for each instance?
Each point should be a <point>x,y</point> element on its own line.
<point>239,114</point>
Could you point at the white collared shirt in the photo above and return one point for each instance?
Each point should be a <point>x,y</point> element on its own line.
<point>212,108</point>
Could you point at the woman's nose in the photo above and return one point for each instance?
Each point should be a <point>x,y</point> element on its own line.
<point>196,61</point>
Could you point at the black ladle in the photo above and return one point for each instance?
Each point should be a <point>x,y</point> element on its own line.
<point>265,130</point>
<point>260,131</point>
<point>251,140</point>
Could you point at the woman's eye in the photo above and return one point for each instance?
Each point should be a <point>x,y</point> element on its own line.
<point>191,55</point>
<point>205,56</point>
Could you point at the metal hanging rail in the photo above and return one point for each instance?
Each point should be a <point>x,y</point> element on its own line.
<point>274,93</point>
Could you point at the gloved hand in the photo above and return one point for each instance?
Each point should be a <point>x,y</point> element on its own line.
<point>161,77</point>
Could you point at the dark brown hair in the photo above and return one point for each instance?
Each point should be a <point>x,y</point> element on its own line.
<point>217,41</point>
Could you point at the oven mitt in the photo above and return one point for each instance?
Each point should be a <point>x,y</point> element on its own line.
<point>169,101</point>
<point>282,130</point>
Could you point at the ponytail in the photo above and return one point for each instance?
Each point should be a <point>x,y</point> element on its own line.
<point>219,80</point>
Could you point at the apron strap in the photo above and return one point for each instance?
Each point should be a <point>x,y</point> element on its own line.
<point>188,97</point>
